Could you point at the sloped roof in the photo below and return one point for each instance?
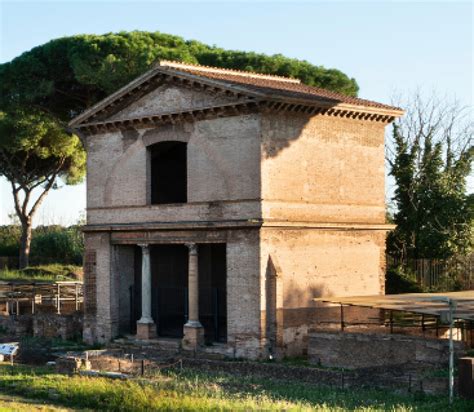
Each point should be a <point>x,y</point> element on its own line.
<point>272,86</point>
<point>424,303</point>
<point>250,85</point>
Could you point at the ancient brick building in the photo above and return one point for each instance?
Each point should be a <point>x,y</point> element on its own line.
<point>219,203</point>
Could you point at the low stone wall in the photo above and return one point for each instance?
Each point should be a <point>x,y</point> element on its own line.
<point>400,379</point>
<point>359,350</point>
<point>58,326</point>
<point>49,325</point>
<point>21,325</point>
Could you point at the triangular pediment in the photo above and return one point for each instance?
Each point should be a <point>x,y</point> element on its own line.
<point>171,98</point>
<point>173,91</point>
<point>160,92</point>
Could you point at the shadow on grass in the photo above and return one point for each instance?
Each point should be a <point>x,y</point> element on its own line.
<point>190,390</point>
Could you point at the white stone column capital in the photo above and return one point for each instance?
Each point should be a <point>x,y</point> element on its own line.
<point>145,247</point>
<point>193,248</point>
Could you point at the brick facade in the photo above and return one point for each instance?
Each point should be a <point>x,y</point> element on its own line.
<point>297,198</point>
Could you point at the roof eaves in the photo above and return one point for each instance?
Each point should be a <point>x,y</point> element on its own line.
<point>211,82</point>
<point>273,95</point>
<point>111,98</point>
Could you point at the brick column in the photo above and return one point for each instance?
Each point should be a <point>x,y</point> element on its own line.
<point>146,328</point>
<point>193,330</point>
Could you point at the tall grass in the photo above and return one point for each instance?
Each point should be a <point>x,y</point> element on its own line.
<point>199,391</point>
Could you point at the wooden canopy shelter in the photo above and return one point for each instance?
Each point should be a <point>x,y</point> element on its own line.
<point>423,303</point>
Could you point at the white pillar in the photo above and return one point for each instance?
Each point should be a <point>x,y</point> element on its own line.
<point>193,330</point>
<point>145,326</point>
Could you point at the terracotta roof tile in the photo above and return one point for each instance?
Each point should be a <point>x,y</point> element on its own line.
<point>275,86</point>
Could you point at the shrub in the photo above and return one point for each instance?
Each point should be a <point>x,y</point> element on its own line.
<point>10,240</point>
<point>398,280</point>
<point>52,243</point>
<point>57,244</point>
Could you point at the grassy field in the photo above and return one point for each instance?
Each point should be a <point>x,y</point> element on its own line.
<point>10,403</point>
<point>195,391</point>
<point>44,273</point>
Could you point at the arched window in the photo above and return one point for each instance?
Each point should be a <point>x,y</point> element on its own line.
<point>168,172</point>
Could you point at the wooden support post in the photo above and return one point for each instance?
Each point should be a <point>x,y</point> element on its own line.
<point>391,321</point>
<point>342,318</point>
<point>58,300</point>
<point>33,301</point>
<point>76,297</point>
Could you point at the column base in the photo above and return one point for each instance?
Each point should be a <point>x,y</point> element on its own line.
<point>146,331</point>
<point>193,336</point>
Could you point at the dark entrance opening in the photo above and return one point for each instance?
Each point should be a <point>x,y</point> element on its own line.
<point>212,291</point>
<point>168,172</point>
<point>169,268</point>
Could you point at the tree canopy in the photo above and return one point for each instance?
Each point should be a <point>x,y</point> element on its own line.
<point>431,161</point>
<point>35,151</point>
<point>50,84</point>
<point>69,74</point>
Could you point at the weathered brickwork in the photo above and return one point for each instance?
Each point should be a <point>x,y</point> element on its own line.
<point>336,164</point>
<point>298,199</point>
<point>90,284</point>
<point>363,350</point>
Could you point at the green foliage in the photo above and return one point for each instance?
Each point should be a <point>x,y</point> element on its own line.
<point>50,243</point>
<point>36,151</point>
<point>10,240</point>
<point>200,391</point>
<point>34,148</point>
<point>69,74</point>
<point>398,280</point>
<point>58,243</point>
<point>433,210</point>
<point>43,273</point>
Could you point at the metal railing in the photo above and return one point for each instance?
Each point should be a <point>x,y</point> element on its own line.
<point>31,297</point>
<point>456,273</point>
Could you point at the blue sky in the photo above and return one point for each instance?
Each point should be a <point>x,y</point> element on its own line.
<point>389,47</point>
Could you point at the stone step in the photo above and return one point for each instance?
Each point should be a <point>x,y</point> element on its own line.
<point>169,345</point>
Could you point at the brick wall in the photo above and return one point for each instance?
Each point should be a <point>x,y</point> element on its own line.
<point>322,169</point>
<point>359,350</point>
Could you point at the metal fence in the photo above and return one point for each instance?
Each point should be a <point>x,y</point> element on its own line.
<point>455,273</point>
<point>29,298</point>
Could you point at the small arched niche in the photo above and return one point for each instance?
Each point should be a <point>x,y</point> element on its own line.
<point>168,172</point>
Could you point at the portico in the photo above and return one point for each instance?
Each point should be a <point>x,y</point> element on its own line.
<point>165,292</point>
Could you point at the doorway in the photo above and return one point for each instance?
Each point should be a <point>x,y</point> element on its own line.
<point>213,291</point>
<point>169,268</point>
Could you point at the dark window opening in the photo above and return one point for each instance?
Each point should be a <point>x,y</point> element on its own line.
<point>168,173</point>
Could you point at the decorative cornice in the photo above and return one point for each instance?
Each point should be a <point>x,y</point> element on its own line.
<point>94,120</point>
<point>152,121</point>
<point>234,224</point>
<point>231,109</point>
